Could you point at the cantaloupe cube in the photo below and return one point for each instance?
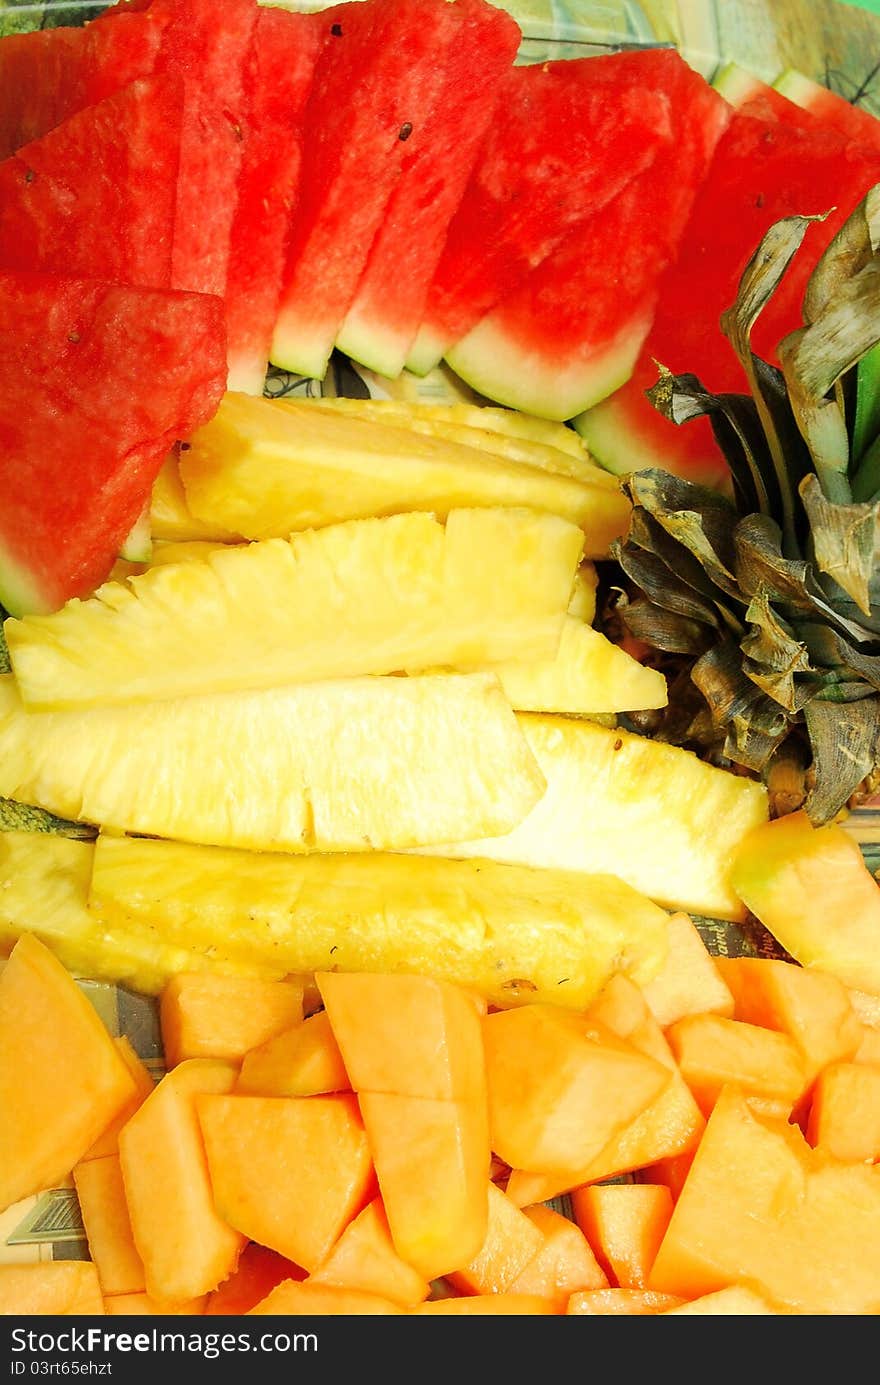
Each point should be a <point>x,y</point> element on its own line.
<point>867,1010</point>
<point>672,1173</point>
<point>62,1079</point>
<point>711,1050</point>
<point>560,1088</point>
<point>108,1141</point>
<point>624,1223</point>
<point>58,1288</point>
<point>666,1129</point>
<point>737,1300</point>
<point>511,1243</point>
<point>288,1172</point>
<point>811,1006</point>
<point>689,981</point>
<point>303,1298</point>
<point>186,1246</point>
<point>412,1035</point>
<point>432,1161</point>
<point>301,1061</point>
<point>210,1015</point>
<point>844,1114</point>
<point>487,1305</point>
<point>564,1264</point>
<point>615,1302</point>
<point>101,1194</point>
<point>364,1258</point>
<point>258,1271</point>
<point>761,1207</point>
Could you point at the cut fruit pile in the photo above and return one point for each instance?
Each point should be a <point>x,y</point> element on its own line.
<point>380,177</point>
<point>386,1144</point>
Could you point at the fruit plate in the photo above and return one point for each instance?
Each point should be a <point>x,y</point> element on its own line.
<point>825,40</point>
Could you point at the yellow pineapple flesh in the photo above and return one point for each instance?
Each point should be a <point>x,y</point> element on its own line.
<point>343,765</point>
<point>509,932</point>
<point>170,516</point>
<point>369,596</point>
<point>653,814</point>
<point>266,469</point>
<point>44,887</point>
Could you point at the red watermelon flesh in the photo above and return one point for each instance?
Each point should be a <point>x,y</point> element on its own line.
<point>567,136</point>
<point>572,332</point>
<point>97,381</point>
<point>211,57</point>
<point>383,319</point>
<point>834,111</point>
<point>278,76</point>
<point>378,77</point>
<point>762,170</point>
<point>48,75</point>
<point>96,196</point>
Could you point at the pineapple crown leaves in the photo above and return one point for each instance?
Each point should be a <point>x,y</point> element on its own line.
<point>769,599</point>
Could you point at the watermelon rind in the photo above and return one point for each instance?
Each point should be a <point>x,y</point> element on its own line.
<point>138,546</point>
<point>612,437</point>
<point>19,592</point>
<point>492,362</point>
<point>737,85</point>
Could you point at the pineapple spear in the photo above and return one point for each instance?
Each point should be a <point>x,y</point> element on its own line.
<point>767,604</point>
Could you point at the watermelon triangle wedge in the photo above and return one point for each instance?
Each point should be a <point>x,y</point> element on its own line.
<point>97,381</point>
<point>96,196</point>
<point>571,333</point>
<point>382,321</point>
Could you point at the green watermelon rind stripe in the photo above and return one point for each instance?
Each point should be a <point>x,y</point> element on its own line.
<point>20,591</point>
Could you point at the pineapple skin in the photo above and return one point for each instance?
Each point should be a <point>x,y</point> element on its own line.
<point>267,468</point>
<point>510,933</point>
<point>338,766</point>
<point>369,596</point>
<point>653,814</point>
<point>44,885</point>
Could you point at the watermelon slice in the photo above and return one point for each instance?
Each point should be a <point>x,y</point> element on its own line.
<point>96,196</point>
<point>854,122</point>
<point>278,76</point>
<point>96,382</point>
<point>382,322</point>
<point>567,137</point>
<point>210,56</point>
<point>572,332</point>
<point>48,75</point>
<point>378,77</point>
<point>763,170</point>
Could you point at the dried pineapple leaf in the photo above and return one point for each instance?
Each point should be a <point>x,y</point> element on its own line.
<point>759,281</point>
<point>775,656</point>
<point>829,650</point>
<point>751,722</point>
<point>846,541</point>
<point>661,585</point>
<point>21,817</point>
<point>849,250</point>
<point>845,751</point>
<point>665,630</point>
<point>700,519</point>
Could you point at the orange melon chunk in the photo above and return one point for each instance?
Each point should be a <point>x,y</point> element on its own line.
<point>844,1114</point>
<point>364,1258</point>
<point>621,1302</point>
<point>108,1141</point>
<point>62,1079</point>
<point>737,1300</point>
<point>412,1035</point>
<point>303,1298</point>
<point>141,1305</point>
<point>559,1089</point>
<point>511,1242</point>
<point>209,1015</point>
<point>186,1246</point>
<point>288,1172</point>
<point>432,1161</point>
<point>624,1223</point>
<point>101,1194</point>
<point>66,1288</point>
<point>761,1207</point>
<point>564,1264</point>
<point>301,1061</point>
<point>711,1050</point>
<point>689,981</point>
<point>810,1006</point>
